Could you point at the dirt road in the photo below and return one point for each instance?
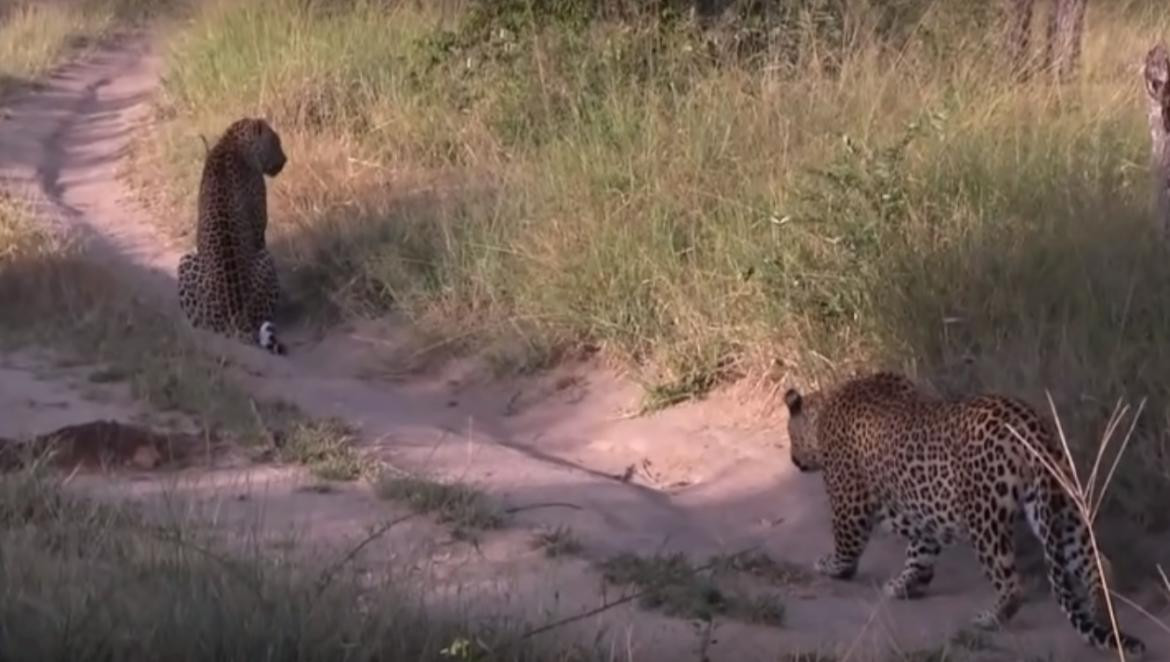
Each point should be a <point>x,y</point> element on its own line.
<point>712,477</point>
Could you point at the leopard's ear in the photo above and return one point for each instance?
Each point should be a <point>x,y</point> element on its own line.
<point>794,401</point>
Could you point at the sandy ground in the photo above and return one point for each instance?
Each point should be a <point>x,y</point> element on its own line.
<point>710,477</point>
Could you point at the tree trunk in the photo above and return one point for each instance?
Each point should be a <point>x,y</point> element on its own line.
<point>1156,73</point>
<point>1052,36</point>
<point>1064,32</point>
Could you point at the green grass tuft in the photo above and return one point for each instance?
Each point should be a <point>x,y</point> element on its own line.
<point>326,447</point>
<point>672,585</point>
<point>467,510</point>
<point>558,541</point>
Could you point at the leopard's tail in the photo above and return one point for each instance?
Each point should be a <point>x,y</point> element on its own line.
<point>266,338</point>
<point>1072,568</point>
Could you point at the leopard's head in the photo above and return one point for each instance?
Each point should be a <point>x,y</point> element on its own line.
<point>260,144</point>
<point>803,445</point>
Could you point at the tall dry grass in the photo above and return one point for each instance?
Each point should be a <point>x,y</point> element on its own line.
<point>873,190</point>
<point>36,35</point>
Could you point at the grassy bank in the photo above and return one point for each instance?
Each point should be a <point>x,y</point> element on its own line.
<point>89,581</point>
<point>870,190</point>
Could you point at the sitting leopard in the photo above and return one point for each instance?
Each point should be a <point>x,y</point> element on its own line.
<point>939,470</point>
<point>229,285</point>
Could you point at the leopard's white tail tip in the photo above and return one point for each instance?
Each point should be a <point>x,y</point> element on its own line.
<point>268,340</point>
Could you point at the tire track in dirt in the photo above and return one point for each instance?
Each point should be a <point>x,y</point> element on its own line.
<point>64,143</point>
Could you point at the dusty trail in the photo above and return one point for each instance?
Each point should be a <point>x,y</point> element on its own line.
<point>718,487</point>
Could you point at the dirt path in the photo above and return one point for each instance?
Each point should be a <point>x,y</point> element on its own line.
<point>706,484</point>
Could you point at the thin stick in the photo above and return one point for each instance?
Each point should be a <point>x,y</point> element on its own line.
<point>1117,458</point>
<point>1143,611</point>
<point>1060,435</point>
<point>1110,428</point>
<point>533,506</point>
<point>873,613</point>
<point>177,539</point>
<point>327,576</point>
<point>623,600</point>
<point>584,615</point>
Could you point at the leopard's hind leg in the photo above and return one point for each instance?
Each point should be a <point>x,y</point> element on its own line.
<point>264,290</point>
